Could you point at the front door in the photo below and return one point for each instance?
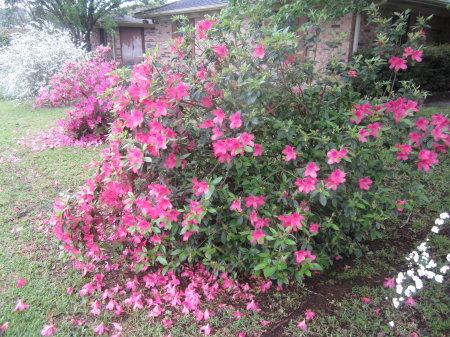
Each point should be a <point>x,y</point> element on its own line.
<point>132,45</point>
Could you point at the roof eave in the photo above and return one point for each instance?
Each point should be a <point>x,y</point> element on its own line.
<point>144,15</point>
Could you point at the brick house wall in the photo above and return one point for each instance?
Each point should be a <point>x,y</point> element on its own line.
<point>437,34</point>
<point>161,31</point>
<point>332,32</point>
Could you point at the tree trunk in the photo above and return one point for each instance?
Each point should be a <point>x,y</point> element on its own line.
<point>87,40</point>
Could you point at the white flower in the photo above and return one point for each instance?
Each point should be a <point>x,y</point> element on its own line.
<point>391,323</point>
<point>435,229</point>
<point>439,278</point>
<point>395,302</point>
<point>430,274</point>
<point>444,215</point>
<point>410,290</point>
<point>410,272</point>
<point>422,247</point>
<point>439,222</point>
<point>448,257</point>
<point>419,283</point>
<point>32,57</point>
<point>399,289</point>
<point>444,269</point>
<point>431,264</point>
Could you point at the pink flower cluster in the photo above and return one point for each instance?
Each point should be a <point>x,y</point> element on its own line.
<point>82,85</point>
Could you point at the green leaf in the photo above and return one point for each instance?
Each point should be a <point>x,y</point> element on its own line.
<point>161,259</point>
<point>323,200</point>
<point>217,180</point>
<point>268,272</point>
<point>261,266</point>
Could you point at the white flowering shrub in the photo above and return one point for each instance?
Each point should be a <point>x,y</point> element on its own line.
<point>32,58</point>
<point>421,268</point>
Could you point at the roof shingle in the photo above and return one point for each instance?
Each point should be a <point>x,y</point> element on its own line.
<point>182,4</point>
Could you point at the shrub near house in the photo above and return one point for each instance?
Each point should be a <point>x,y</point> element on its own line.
<point>246,160</point>
<point>84,84</point>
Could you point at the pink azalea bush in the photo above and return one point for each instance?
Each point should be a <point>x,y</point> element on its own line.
<point>218,168</point>
<point>84,84</point>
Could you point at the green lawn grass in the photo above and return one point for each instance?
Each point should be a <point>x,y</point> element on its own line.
<point>28,250</point>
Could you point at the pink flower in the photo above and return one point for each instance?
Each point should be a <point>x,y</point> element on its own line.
<point>257,235</point>
<point>95,308</point>
<point>335,156</point>
<point>352,73</point>
<point>236,205</point>
<point>255,202</point>
<point>20,306</point>
<point>100,329</point>
<point>117,326</point>
<point>410,301</point>
<point>4,326</point>
<point>360,112</point>
<point>366,300</point>
<point>259,51</point>
<point>404,151</point>
<point>219,116</point>
<point>302,255</point>
<point>202,27</point>
<point>408,51</point>
<point>289,152</point>
<point>314,228</point>
<point>21,282</point>
<point>363,133</point>
<point>389,282</point>
<point>364,183</point>
<point>237,314</point>
<point>167,323</point>
<point>241,334</point>
<point>200,187</point>
<point>417,56</point>
<point>311,170</point>
<point>246,139</point>
<point>177,93</point>
<point>294,221</point>
<point>336,177</point>
<point>206,329</point>
<point>397,63</point>
<point>48,330</point>
<point>374,128</point>
<point>440,120</point>
<point>426,159</point>
<point>236,121</point>
<point>136,159</point>
<point>221,52</point>
<point>252,305</point>
<point>400,203</point>
<point>264,323</point>
<point>416,138</point>
<point>309,314</point>
<point>377,312</point>
<point>257,150</point>
<point>306,185</point>
<point>302,325</point>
